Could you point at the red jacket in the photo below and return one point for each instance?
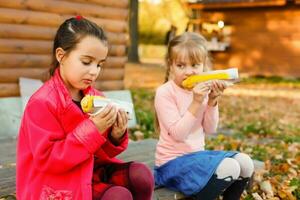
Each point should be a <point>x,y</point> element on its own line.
<point>58,146</point>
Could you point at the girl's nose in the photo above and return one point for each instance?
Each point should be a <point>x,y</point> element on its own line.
<point>94,70</point>
<point>190,71</point>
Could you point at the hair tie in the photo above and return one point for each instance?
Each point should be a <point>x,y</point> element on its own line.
<point>78,17</point>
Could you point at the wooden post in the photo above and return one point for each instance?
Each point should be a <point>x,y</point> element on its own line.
<point>133,55</point>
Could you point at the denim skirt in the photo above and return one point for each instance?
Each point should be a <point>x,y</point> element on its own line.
<point>189,173</point>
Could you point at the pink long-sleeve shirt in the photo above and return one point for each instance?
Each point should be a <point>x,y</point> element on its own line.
<point>180,131</point>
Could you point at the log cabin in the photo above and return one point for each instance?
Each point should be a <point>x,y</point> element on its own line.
<point>262,36</point>
<point>27,30</point>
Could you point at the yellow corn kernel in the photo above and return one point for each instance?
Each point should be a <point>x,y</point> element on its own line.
<point>191,81</point>
<point>87,103</point>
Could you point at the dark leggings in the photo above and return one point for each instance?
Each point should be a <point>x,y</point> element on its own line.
<point>141,185</point>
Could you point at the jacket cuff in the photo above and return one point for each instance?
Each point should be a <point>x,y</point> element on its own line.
<point>87,133</point>
<point>111,149</point>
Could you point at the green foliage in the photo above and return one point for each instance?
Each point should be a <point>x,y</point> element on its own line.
<point>272,80</point>
<point>296,184</point>
<point>143,105</point>
<point>152,51</point>
<point>156,19</point>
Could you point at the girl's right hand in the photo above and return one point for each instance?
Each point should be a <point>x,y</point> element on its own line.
<point>106,118</point>
<point>200,91</point>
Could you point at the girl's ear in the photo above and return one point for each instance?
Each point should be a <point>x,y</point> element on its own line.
<point>59,54</point>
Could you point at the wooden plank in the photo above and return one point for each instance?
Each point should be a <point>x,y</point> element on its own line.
<point>8,15</point>
<point>12,75</point>
<point>43,47</point>
<point>44,61</point>
<point>117,4</point>
<point>109,85</point>
<point>12,89</point>
<point>70,8</point>
<point>144,151</point>
<point>111,74</point>
<point>26,31</point>
<point>230,5</point>
<point>9,90</point>
<point>24,61</point>
<point>20,31</point>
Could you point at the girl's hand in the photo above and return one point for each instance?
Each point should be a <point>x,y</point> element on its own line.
<point>120,125</point>
<point>200,91</point>
<point>217,89</point>
<point>106,118</point>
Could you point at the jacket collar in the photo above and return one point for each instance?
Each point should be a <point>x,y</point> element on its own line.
<point>62,90</point>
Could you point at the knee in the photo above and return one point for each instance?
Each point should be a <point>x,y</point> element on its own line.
<point>229,167</point>
<point>117,192</point>
<point>246,164</point>
<point>141,176</point>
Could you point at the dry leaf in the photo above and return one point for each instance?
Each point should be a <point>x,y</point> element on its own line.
<point>266,187</point>
<point>256,196</point>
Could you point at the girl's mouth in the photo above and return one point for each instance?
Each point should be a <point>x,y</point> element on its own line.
<point>87,81</point>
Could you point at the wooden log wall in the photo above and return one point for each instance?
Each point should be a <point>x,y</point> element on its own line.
<point>264,41</point>
<point>27,30</point>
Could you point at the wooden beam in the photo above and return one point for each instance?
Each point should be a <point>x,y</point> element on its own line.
<point>25,46</point>
<point>12,75</point>
<point>12,89</point>
<point>16,16</point>
<point>117,4</point>
<point>111,74</point>
<point>44,61</point>
<point>109,85</point>
<point>43,47</point>
<point>20,31</point>
<point>71,8</point>
<point>24,61</point>
<point>9,90</point>
<point>115,62</point>
<point>228,5</point>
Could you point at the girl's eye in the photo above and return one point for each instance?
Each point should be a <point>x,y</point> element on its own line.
<point>180,66</point>
<point>196,65</point>
<point>85,63</point>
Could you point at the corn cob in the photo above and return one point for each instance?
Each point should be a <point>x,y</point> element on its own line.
<point>87,103</point>
<point>191,81</point>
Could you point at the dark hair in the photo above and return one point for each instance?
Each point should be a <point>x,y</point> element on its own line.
<point>71,32</point>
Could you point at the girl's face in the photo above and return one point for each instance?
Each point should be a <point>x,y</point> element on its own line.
<point>182,68</point>
<point>81,67</point>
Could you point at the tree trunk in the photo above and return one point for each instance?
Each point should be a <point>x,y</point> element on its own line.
<point>133,55</point>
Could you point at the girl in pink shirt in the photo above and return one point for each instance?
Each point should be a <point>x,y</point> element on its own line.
<point>65,154</point>
<point>184,117</point>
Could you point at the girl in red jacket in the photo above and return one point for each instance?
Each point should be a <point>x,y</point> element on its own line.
<point>64,154</point>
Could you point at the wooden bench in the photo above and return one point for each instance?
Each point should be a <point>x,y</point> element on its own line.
<point>143,151</point>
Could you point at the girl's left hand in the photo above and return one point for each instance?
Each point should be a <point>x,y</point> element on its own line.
<point>120,125</point>
<point>217,89</point>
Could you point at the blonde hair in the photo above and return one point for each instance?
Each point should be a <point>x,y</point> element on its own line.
<point>194,45</point>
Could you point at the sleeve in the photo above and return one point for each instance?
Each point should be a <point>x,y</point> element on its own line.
<point>110,150</point>
<point>210,119</point>
<point>168,116</point>
<point>53,150</point>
